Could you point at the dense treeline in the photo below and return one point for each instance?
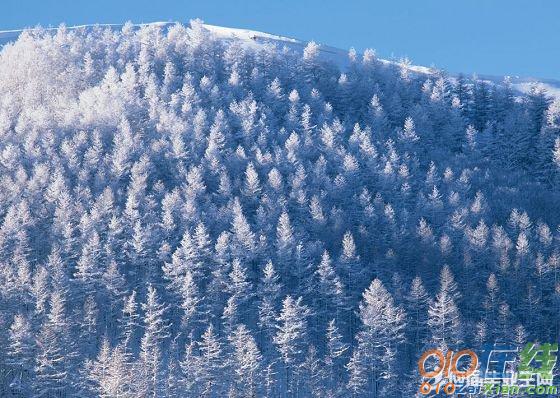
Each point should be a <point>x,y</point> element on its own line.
<point>183,216</point>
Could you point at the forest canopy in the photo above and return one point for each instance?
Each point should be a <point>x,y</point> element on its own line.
<point>185,216</point>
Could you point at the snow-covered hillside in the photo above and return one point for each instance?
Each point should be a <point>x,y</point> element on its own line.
<point>196,211</point>
<point>338,56</point>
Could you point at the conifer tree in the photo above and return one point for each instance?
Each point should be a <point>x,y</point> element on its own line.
<point>381,332</point>
<point>21,354</point>
<point>246,360</point>
<point>417,301</point>
<point>209,363</point>
<point>444,319</point>
<point>269,292</point>
<point>291,338</point>
<point>336,352</point>
<point>56,355</point>
<point>155,333</point>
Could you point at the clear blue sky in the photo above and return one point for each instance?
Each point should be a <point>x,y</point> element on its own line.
<point>515,37</point>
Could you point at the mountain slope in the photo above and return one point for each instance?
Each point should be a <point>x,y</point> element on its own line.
<point>192,211</point>
<point>338,56</point>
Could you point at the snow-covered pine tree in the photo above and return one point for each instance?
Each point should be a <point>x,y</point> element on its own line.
<point>151,363</point>
<point>291,339</point>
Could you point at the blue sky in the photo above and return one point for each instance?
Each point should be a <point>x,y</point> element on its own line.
<point>515,37</point>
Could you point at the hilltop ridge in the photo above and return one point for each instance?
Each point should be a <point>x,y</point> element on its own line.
<point>339,57</point>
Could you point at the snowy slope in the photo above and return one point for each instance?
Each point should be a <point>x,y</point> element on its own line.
<point>8,35</point>
<point>524,84</point>
<point>338,56</point>
<point>253,38</point>
<point>175,202</point>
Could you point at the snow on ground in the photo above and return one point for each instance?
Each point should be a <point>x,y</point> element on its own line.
<point>525,84</point>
